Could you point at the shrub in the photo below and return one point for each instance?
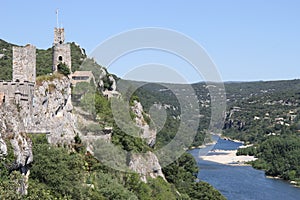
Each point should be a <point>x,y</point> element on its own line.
<point>64,69</point>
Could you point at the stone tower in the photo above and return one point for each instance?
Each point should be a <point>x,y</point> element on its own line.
<point>24,63</point>
<point>61,50</point>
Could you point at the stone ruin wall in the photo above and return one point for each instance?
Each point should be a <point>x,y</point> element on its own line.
<point>20,93</point>
<point>61,54</point>
<point>59,36</point>
<point>24,63</point>
<point>61,51</point>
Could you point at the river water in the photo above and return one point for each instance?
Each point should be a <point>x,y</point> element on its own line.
<point>242,182</point>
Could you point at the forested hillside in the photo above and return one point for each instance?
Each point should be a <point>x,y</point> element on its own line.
<point>71,172</point>
<point>267,115</point>
<point>264,113</point>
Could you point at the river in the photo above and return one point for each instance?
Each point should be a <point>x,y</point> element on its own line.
<point>242,182</point>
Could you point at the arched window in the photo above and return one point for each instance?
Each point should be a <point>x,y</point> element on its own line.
<point>60,58</point>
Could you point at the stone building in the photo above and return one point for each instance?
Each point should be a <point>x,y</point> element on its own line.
<point>82,76</point>
<point>61,50</point>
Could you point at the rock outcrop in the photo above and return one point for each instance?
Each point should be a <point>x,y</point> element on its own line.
<point>52,111</point>
<point>12,136</point>
<point>148,134</point>
<point>146,165</point>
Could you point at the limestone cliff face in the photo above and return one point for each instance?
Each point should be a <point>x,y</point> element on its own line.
<point>148,134</point>
<point>146,165</point>
<point>12,136</point>
<point>52,111</point>
<point>51,114</point>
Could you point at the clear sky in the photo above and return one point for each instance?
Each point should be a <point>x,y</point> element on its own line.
<point>247,39</point>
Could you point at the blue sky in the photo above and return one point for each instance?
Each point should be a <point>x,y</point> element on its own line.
<point>247,39</point>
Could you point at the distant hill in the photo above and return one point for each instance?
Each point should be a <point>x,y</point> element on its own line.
<point>43,59</point>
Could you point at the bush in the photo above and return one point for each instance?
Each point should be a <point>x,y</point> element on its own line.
<point>64,69</point>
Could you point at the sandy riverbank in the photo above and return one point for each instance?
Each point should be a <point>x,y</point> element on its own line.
<point>227,157</point>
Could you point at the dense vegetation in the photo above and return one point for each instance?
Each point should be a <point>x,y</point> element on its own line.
<point>78,175</point>
<point>181,174</point>
<point>266,114</point>
<point>150,94</point>
<point>279,156</point>
<point>74,174</point>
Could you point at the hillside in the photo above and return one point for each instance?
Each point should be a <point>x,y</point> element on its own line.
<point>68,136</point>
<point>265,114</point>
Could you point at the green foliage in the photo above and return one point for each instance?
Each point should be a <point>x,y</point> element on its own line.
<point>43,61</point>
<point>6,60</point>
<point>62,171</point>
<point>64,69</point>
<point>249,151</point>
<point>9,186</point>
<point>162,190</point>
<point>128,142</point>
<point>91,65</point>
<point>77,56</point>
<point>182,173</point>
<point>281,155</point>
<point>202,190</point>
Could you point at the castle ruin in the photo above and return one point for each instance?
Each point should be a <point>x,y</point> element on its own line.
<point>61,51</point>
<point>20,91</point>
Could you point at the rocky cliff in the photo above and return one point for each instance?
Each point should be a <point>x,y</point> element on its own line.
<point>51,114</point>
<point>13,138</point>
<point>52,111</point>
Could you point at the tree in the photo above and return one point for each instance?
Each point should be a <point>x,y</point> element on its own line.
<point>64,69</point>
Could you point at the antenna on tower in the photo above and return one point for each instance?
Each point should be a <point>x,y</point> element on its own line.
<point>57,25</point>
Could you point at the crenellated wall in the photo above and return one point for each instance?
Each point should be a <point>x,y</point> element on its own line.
<point>19,93</point>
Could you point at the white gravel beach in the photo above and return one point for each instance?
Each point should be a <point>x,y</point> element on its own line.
<point>227,157</point>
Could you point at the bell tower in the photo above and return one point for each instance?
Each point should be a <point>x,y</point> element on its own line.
<point>61,50</point>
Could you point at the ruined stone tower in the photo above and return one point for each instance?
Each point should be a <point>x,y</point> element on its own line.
<point>24,63</point>
<point>61,51</point>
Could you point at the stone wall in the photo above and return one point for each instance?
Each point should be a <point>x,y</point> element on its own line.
<point>61,54</point>
<point>24,63</point>
<point>61,51</point>
<point>18,93</point>
<point>59,36</point>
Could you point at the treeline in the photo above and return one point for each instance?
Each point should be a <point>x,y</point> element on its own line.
<point>266,114</point>
<point>279,156</point>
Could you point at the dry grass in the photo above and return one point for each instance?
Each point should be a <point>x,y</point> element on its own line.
<point>41,79</point>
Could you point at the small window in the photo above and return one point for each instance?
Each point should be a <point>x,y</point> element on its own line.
<point>60,58</point>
